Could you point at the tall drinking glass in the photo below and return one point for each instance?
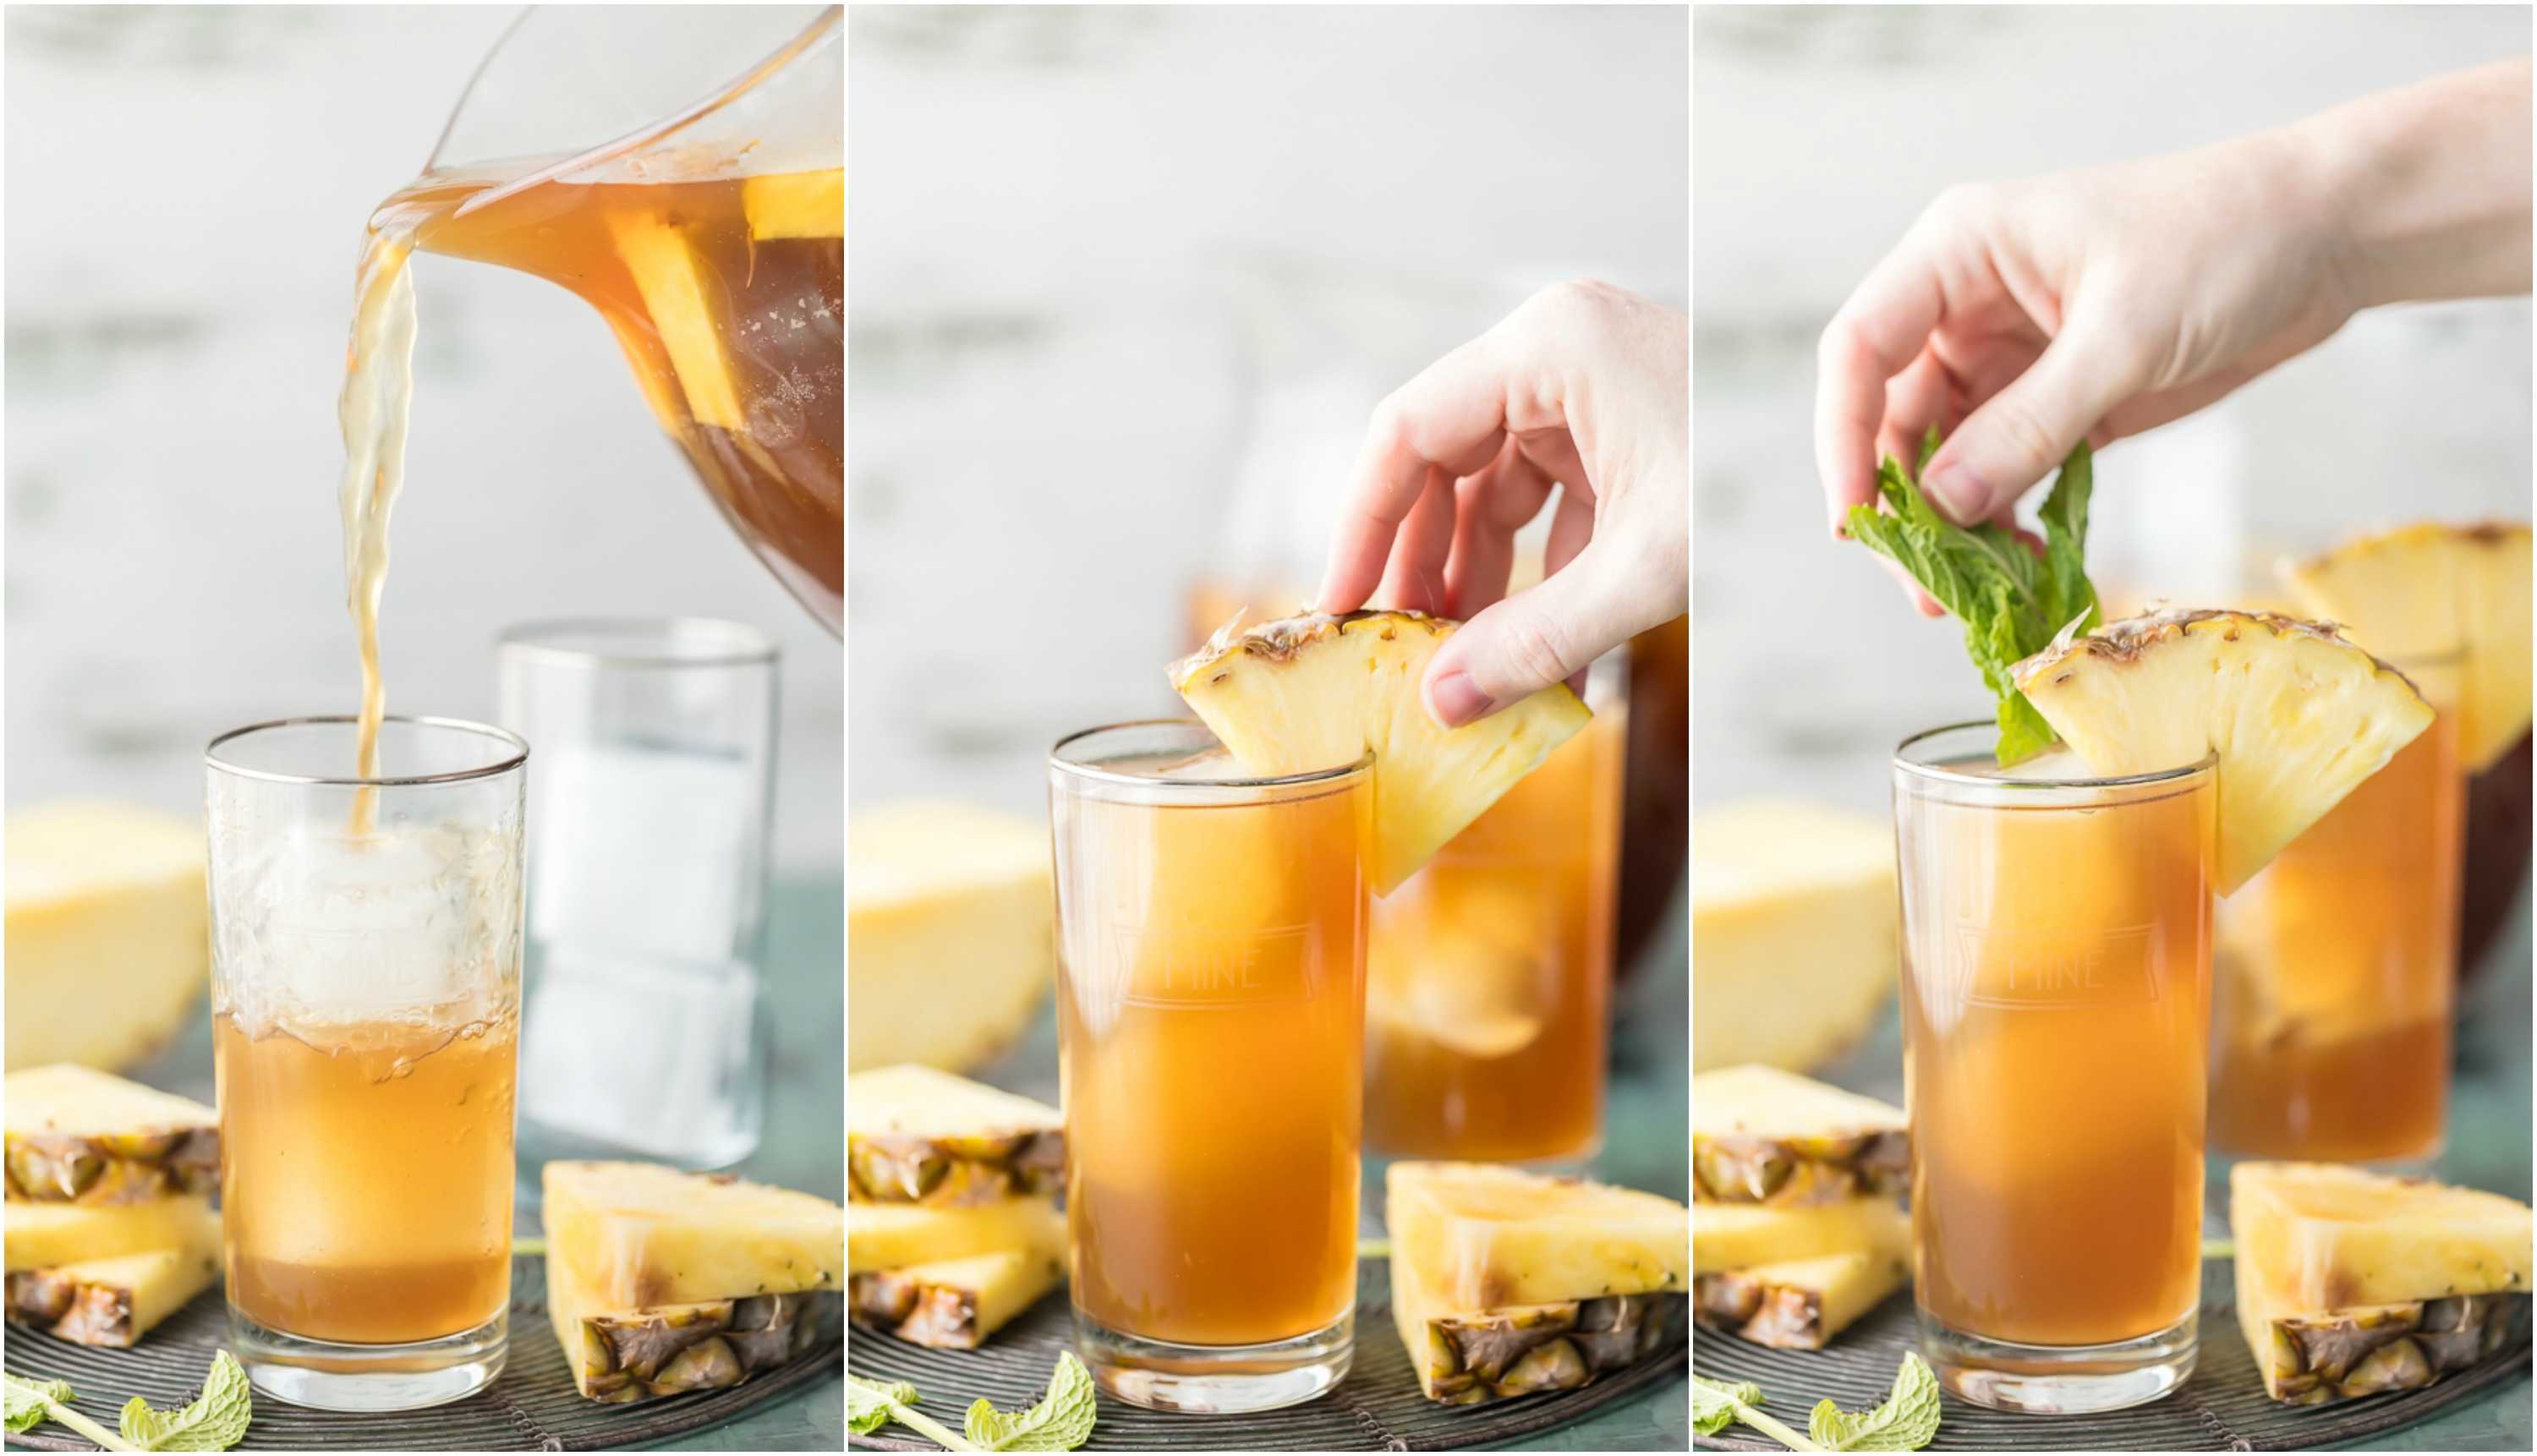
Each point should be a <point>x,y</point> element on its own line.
<point>1211,1017</point>
<point>2338,966</point>
<point>2057,994</point>
<point>366,985</point>
<point>647,887</point>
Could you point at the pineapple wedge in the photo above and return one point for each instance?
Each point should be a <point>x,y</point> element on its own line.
<point>619,1356</point>
<point>2297,715</point>
<point>897,1235</point>
<point>114,1301</point>
<point>2317,1237</point>
<point>1468,1357</point>
<point>1802,1303</point>
<point>635,1236</point>
<point>77,1135</point>
<point>1730,1236</point>
<point>2432,589</point>
<point>917,1135</point>
<point>2352,1283</point>
<point>678,291</point>
<point>45,1236</point>
<point>1317,691</point>
<point>957,1303</point>
<point>1482,1236</point>
<point>1762,1135</point>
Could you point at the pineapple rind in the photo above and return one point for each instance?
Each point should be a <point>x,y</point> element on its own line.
<point>78,1135</point>
<point>1762,1135</point>
<point>1471,1357</point>
<point>918,1135</point>
<point>114,1301</point>
<point>956,1305</point>
<point>1802,1303</point>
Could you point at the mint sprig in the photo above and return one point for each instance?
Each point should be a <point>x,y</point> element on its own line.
<point>2012,602</point>
<point>1061,1422</point>
<point>1907,1422</point>
<point>215,1421</point>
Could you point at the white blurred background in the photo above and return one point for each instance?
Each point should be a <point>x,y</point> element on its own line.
<point>1819,136</point>
<point>1125,284</point>
<point>187,188</point>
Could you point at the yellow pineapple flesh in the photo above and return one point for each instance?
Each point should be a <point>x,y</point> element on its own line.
<point>112,1302</point>
<point>43,1235</point>
<point>1800,1305</point>
<point>894,1235</point>
<point>1317,691</point>
<point>1762,1135</point>
<point>2432,589</point>
<point>918,1135</point>
<point>2296,715</point>
<point>1484,1237</point>
<point>638,1235</point>
<point>957,1303</point>
<point>1748,1235</point>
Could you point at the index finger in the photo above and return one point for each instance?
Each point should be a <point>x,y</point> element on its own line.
<point>1875,335</point>
<point>1452,419</point>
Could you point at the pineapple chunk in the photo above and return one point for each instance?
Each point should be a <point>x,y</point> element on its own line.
<point>1317,691</point>
<point>2317,1237</point>
<point>1792,933</point>
<point>635,1236</point>
<point>917,1135</point>
<point>677,292</point>
<point>897,1236</point>
<point>1469,1356</point>
<point>42,1235</point>
<point>950,951</point>
<point>77,1135</point>
<point>1761,1135</point>
<point>2296,715</point>
<point>2432,589</point>
<point>957,1303</point>
<point>1486,1237</point>
<point>108,938</point>
<point>115,1302</point>
<point>1802,1303</point>
<point>796,204</point>
<point>1750,1235</point>
<point>619,1356</point>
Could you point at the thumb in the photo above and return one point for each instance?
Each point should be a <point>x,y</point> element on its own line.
<point>2021,433</point>
<point>1544,634</point>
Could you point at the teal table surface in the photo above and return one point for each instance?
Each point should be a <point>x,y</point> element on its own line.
<point>803,1147</point>
<point>2489,1139</point>
<point>1646,1144</point>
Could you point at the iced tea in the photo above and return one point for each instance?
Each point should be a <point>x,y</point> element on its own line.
<point>1211,954</point>
<point>2056,958</point>
<point>2337,969</point>
<point>1488,978</point>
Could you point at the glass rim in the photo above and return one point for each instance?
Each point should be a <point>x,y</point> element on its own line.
<point>2207,763</point>
<point>211,758</point>
<point>1057,759</point>
<point>748,647</point>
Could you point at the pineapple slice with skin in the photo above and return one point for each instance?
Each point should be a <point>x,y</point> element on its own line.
<point>2314,1236</point>
<point>2431,589</point>
<point>636,1235</point>
<point>1802,1303</point>
<point>2296,715</point>
<point>1471,1357</point>
<point>1485,1237</point>
<point>1729,1237</point>
<point>918,1135</point>
<point>782,205</point>
<point>897,1236</point>
<point>78,1135</point>
<point>1762,1135</point>
<point>2315,1360</point>
<point>1317,691</point>
<point>621,1357</point>
<point>112,1302</point>
<point>43,1235</point>
<point>957,1303</point>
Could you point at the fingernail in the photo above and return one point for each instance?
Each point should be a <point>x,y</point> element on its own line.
<point>1957,493</point>
<point>1454,699</point>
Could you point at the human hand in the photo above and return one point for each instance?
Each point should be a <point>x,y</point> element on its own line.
<point>2021,318</point>
<point>1584,388</point>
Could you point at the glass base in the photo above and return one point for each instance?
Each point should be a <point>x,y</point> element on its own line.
<point>329,1375</point>
<point>1216,1378</point>
<point>2060,1379</point>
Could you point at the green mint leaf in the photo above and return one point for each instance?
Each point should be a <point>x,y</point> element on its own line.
<point>1716,1405</point>
<point>30,1402</point>
<point>870,1404</point>
<point>1061,1422</point>
<point>2011,600</point>
<point>1928,447</point>
<point>216,1420</point>
<point>1907,1422</point>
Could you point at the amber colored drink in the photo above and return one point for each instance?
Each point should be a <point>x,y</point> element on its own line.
<point>1489,974</point>
<point>2056,955</point>
<point>2337,970</point>
<point>1211,995</point>
<point>365,1177</point>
